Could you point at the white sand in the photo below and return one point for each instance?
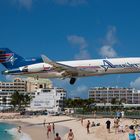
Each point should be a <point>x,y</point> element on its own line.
<point>80,133</point>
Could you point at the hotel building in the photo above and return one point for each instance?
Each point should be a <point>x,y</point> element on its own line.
<point>22,86</point>
<point>50,99</point>
<point>127,95</point>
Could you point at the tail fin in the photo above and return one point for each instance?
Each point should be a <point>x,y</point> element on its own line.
<point>10,59</point>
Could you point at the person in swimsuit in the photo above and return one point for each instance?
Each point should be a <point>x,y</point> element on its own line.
<point>53,127</point>
<point>82,120</point>
<point>116,125</point>
<point>70,135</point>
<point>131,134</point>
<point>88,124</point>
<point>108,125</point>
<point>48,130</point>
<point>57,137</point>
<point>44,122</point>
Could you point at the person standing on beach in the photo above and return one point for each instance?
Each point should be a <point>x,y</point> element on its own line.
<point>88,124</point>
<point>82,120</point>
<point>122,114</point>
<point>48,130</point>
<point>95,114</point>
<point>108,125</point>
<point>53,127</point>
<point>116,125</point>
<point>131,134</point>
<point>44,122</point>
<point>57,137</point>
<point>70,135</point>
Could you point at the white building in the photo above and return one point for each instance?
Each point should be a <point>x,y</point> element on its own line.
<point>8,88</point>
<point>22,86</point>
<point>50,99</point>
<point>106,94</point>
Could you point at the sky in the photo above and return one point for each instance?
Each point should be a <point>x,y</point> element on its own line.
<point>74,29</point>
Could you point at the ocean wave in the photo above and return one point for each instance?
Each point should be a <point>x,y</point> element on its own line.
<point>18,136</point>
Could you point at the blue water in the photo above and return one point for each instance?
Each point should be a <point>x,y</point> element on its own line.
<point>4,135</point>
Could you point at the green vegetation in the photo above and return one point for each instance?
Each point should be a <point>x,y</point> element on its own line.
<point>20,100</point>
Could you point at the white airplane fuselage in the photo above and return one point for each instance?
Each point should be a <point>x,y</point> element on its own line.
<point>95,67</point>
<point>43,67</point>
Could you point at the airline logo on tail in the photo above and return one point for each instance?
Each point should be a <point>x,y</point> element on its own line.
<point>12,59</point>
<point>7,57</point>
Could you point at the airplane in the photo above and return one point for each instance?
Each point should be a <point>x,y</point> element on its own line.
<point>43,67</point>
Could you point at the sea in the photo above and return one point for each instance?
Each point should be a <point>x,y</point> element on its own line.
<point>9,132</point>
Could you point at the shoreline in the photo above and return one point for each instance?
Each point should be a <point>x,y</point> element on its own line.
<point>37,130</point>
<point>34,127</point>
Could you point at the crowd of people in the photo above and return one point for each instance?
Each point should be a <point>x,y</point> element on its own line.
<point>51,129</point>
<point>116,126</point>
<point>133,129</point>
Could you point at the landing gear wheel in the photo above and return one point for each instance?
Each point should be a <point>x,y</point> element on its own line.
<point>72,81</point>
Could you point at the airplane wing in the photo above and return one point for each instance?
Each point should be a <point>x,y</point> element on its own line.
<point>65,69</point>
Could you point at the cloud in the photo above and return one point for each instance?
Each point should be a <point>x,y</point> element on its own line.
<point>83,54</point>
<point>107,51</point>
<point>77,40</point>
<point>110,40</point>
<point>82,44</point>
<point>70,2</point>
<point>135,83</point>
<point>23,3</point>
<point>80,91</point>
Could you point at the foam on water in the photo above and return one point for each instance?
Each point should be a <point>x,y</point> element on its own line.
<point>18,136</point>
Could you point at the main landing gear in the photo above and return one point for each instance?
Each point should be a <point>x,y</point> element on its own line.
<point>72,81</point>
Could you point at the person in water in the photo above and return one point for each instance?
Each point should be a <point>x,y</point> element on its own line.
<point>19,129</point>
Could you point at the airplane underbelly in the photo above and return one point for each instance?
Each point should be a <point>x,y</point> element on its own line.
<point>123,70</point>
<point>50,75</point>
<point>44,75</point>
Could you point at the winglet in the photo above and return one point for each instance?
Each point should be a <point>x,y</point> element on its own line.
<point>46,59</point>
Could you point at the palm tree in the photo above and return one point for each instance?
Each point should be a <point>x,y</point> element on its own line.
<point>68,102</point>
<point>4,100</point>
<point>103,100</point>
<point>113,101</point>
<point>16,99</point>
<point>122,100</point>
<point>20,99</point>
<point>26,100</point>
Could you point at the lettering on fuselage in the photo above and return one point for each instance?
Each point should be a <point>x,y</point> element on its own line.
<point>108,65</point>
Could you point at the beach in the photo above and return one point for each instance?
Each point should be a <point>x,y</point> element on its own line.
<point>35,128</point>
